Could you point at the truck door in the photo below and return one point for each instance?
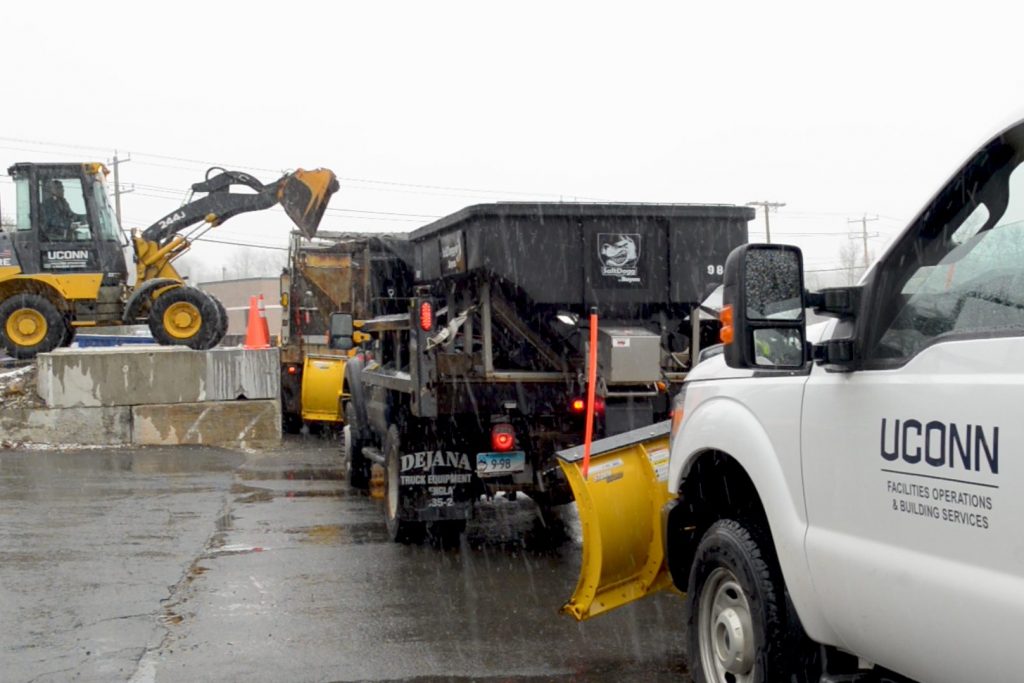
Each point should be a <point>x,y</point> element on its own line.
<point>912,465</point>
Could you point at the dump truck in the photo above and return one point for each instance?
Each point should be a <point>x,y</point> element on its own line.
<point>336,272</point>
<point>840,501</point>
<point>473,387</point>
<point>62,266</point>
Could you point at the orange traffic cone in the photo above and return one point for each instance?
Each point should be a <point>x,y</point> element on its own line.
<point>257,334</point>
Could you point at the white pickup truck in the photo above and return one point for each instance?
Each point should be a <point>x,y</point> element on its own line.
<point>845,498</point>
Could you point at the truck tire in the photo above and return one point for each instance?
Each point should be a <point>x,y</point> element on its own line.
<point>736,608</point>
<point>184,316</point>
<point>399,530</point>
<point>30,324</point>
<point>447,534</point>
<point>356,466</point>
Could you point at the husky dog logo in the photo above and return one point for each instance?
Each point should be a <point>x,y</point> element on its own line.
<point>620,255</point>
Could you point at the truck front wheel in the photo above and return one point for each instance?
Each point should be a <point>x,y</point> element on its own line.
<point>736,608</point>
<point>356,465</point>
<point>399,530</point>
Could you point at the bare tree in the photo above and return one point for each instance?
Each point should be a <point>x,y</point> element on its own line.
<point>850,262</point>
<point>249,262</point>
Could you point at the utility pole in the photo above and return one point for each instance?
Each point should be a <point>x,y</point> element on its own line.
<point>863,220</point>
<point>767,206</point>
<point>116,163</point>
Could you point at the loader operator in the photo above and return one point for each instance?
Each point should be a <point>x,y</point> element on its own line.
<point>57,214</point>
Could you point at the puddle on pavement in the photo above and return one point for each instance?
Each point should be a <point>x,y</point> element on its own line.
<point>325,534</point>
<point>225,522</point>
<point>297,474</point>
<point>145,461</point>
<point>342,534</point>
<point>256,494</point>
<point>232,549</point>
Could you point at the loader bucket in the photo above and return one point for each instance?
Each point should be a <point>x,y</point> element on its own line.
<point>304,197</point>
<point>620,508</point>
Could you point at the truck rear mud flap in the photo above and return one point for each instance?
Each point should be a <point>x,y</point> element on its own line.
<point>620,508</point>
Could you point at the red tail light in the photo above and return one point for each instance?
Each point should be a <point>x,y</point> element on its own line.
<point>293,370</point>
<point>426,316</point>
<point>503,438</point>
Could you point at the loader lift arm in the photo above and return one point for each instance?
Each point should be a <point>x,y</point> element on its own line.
<point>302,194</point>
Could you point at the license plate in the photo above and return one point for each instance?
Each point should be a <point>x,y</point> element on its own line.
<point>497,464</point>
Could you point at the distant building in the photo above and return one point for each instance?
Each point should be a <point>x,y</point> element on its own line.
<point>234,294</point>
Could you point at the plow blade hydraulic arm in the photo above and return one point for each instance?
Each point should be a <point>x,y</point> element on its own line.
<point>620,507</point>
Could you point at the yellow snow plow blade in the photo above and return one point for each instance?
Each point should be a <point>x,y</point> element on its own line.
<point>322,381</point>
<point>620,507</point>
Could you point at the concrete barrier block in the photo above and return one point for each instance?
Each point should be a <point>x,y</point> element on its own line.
<point>97,426</point>
<point>233,373</point>
<point>130,376</point>
<point>231,424</point>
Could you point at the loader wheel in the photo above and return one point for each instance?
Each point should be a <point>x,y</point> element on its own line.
<point>69,333</point>
<point>184,316</point>
<point>737,614</point>
<point>399,530</point>
<point>356,465</point>
<point>30,324</point>
<point>222,322</point>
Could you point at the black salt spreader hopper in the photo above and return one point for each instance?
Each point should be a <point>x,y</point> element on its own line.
<point>474,389</point>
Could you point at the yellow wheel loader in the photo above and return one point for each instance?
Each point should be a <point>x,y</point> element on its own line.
<point>62,265</point>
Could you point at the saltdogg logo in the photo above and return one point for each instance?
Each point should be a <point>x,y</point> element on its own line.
<point>620,255</point>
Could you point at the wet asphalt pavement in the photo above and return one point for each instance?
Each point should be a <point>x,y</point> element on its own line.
<point>194,564</point>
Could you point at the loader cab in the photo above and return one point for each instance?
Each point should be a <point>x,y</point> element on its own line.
<point>64,223</point>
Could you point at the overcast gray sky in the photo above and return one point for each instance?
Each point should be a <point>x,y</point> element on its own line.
<point>836,110</point>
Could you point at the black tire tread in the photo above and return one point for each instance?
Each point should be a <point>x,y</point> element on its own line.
<point>399,530</point>
<point>358,467</point>
<point>222,322</point>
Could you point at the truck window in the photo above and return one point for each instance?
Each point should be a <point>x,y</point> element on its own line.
<point>62,213</point>
<point>23,221</point>
<point>109,230</point>
<point>976,287</point>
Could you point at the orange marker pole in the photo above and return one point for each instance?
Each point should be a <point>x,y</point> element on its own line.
<point>591,389</point>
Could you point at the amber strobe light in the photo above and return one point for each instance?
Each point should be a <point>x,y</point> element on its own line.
<point>426,316</point>
<point>725,317</point>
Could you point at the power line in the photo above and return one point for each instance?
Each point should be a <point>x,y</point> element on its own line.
<point>348,179</point>
<point>240,244</point>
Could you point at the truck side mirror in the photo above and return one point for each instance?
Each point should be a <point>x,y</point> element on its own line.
<point>763,320</point>
<point>340,337</point>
